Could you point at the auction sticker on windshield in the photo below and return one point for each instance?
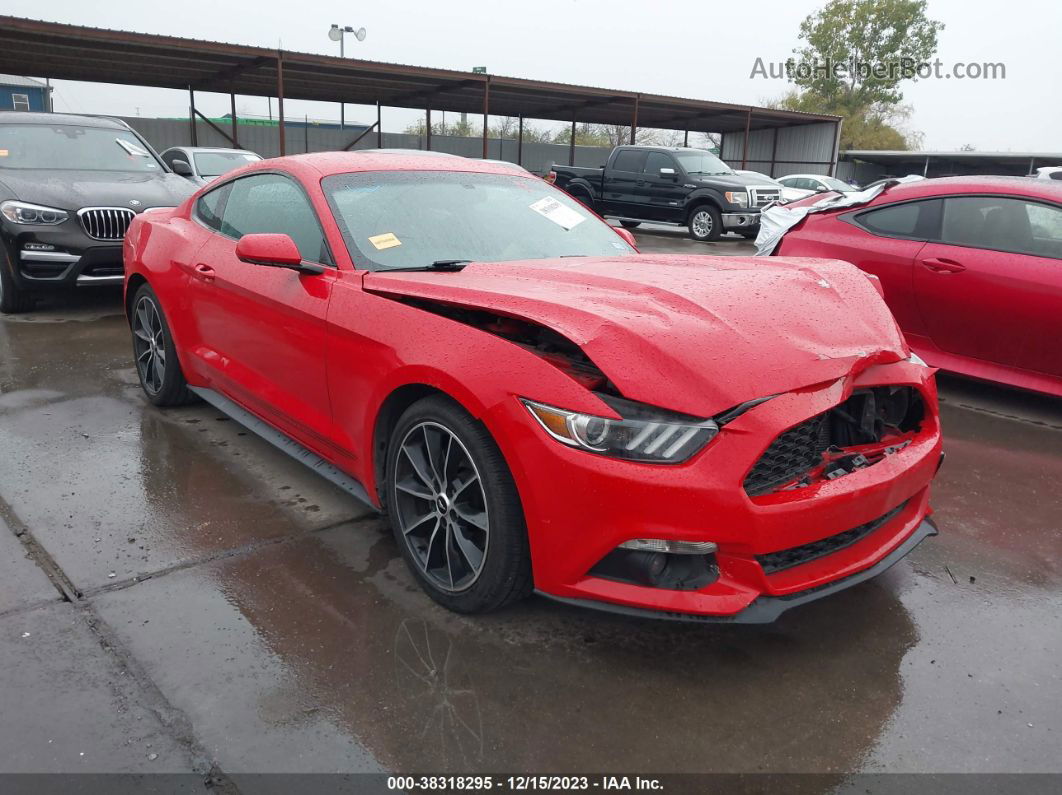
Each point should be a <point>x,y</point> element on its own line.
<point>556,212</point>
<point>387,240</point>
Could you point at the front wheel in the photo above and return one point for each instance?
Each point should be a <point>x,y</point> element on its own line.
<point>630,224</point>
<point>454,509</point>
<point>705,223</point>
<point>155,354</point>
<point>13,299</point>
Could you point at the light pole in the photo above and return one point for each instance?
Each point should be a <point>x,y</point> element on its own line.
<point>337,33</point>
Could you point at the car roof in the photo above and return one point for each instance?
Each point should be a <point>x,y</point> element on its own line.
<point>212,149</point>
<point>328,163</point>
<point>803,176</point>
<point>938,186</point>
<point>52,119</point>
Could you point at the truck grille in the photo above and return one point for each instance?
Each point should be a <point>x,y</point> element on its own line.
<point>761,197</point>
<point>794,556</point>
<point>105,223</point>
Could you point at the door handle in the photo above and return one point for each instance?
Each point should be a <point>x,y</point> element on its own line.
<point>204,272</point>
<point>940,265</point>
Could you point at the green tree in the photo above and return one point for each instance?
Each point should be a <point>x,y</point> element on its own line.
<point>855,57</point>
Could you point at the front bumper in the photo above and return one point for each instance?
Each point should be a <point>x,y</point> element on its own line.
<point>61,257</point>
<point>586,505</point>
<point>742,220</point>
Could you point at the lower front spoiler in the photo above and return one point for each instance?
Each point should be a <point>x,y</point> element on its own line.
<point>766,609</point>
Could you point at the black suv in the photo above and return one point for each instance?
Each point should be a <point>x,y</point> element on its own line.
<point>69,185</point>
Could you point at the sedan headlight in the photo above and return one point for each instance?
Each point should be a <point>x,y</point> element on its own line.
<point>644,433</point>
<point>738,197</point>
<point>25,213</point>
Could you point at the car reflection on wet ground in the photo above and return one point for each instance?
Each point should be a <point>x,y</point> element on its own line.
<point>229,610</point>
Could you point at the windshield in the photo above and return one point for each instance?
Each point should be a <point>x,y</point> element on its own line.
<point>837,185</point>
<point>67,147</point>
<point>702,163</point>
<point>214,164</point>
<point>409,219</point>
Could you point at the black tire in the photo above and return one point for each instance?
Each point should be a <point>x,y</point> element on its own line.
<point>161,377</point>
<point>705,223</point>
<point>630,224</point>
<point>585,198</point>
<point>13,299</point>
<point>443,503</point>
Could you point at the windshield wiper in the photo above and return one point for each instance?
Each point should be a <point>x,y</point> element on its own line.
<point>438,265</point>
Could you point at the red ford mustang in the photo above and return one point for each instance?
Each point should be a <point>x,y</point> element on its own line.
<point>970,266</point>
<point>533,403</point>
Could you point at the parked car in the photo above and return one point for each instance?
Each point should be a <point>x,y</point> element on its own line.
<point>883,180</point>
<point>971,267</point>
<point>69,186</point>
<point>202,164</point>
<point>532,402</point>
<point>1049,172</point>
<point>816,183</point>
<point>788,194</point>
<point>671,185</point>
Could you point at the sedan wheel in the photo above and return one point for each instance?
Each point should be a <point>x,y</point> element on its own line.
<point>454,508</point>
<point>441,507</point>
<point>149,345</point>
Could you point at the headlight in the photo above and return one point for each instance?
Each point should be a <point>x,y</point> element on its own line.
<point>24,213</point>
<point>740,198</point>
<point>914,358</point>
<point>644,434</point>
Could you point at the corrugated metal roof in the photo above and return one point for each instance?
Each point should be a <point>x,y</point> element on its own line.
<point>22,82</point>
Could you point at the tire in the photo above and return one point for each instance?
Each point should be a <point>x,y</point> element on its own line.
<point>705,223</point>
<point>154,353</point>
<point>630,224</point>
<point>585,198</point>
<point>13,299</point>
<point>470,516</point>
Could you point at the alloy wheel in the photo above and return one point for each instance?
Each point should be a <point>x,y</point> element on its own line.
<point>441,506</point>
<point>702,223</point>
<point>149,345</point>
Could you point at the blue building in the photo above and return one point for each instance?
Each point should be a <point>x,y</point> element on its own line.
<point>23,93</point>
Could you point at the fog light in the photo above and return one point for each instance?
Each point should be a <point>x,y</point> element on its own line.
<point>672,547</point>
<point>38,247</point>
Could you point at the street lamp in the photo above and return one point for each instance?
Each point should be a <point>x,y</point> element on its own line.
<point>337,33</point>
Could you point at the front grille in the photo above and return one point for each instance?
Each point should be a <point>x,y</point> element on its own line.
<point>789,456</point>
<point>761,197</point>
<point>105,223</point>
<point>794,556</point>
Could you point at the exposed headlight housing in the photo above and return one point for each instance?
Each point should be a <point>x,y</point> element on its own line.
<point>26,213</point>
<point>738,197</point>
<point>644,433</point>
<point>914,358</point>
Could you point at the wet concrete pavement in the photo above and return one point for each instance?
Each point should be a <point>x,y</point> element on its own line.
<point>226,610</point>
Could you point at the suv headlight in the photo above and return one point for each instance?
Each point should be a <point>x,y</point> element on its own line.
<point>25,213</point>
<point>738,197</point>
<point>644,433</point>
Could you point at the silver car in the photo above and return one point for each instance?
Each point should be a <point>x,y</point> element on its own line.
<point>203,164</point>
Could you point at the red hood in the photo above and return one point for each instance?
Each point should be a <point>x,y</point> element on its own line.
<point>694,334</point>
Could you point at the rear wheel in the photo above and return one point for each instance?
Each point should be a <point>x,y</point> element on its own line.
<point>454,509</point>
<point>705,223</point>
<point>630,224</point>
<point>13,299</point>
<point>154,353</point>
<point>584,197</point>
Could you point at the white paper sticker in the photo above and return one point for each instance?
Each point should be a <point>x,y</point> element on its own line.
<point>562,216</point>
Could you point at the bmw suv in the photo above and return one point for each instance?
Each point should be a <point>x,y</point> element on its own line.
<point>69,186</point>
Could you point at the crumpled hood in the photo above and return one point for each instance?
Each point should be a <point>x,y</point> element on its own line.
<point>694,334</point>
<point>72,190</point>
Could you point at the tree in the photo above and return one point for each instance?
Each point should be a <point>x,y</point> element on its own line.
<point>856,55</point>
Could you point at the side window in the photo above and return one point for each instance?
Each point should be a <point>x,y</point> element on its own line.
<point>208,208</point>
<point>900,220</point>
<point>656,161</point>
<point>20,102</point>
<point>169,156</point>
<point>1003,224</point>
<point>629,160</point>
<point>270,203</point>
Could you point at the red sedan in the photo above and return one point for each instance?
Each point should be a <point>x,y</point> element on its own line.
<point>533,403</point>
<point>970,266</point>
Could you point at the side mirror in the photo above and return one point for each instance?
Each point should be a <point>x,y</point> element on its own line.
<point>182,168</point>
<point>820,189</point>
<point>278,251</point>
<point>667,173</point>
<point>627,235</point>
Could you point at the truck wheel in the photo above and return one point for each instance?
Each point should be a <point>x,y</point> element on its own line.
<point>630,224</point>
<point>585,198</point>
<point>13,299</point>
<point>705,223</point>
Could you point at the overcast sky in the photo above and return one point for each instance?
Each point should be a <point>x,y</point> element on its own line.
<point>691,49</point>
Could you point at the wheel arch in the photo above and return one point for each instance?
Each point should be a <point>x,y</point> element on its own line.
<point>135,282</point>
